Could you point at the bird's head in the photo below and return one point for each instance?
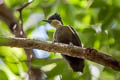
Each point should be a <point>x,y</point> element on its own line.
<point>54,20</point>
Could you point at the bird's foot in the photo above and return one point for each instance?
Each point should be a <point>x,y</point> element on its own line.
<point>91,50</point>
<point>71,44</point>
<point>53,41</point>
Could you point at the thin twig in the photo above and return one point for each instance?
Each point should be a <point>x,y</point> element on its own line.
<point>20,9</point>
<point>24,6</point>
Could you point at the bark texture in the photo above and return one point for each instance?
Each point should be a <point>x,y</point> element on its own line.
<point>74,51</point>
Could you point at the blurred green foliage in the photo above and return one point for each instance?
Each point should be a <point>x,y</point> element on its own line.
<point>97,23</point>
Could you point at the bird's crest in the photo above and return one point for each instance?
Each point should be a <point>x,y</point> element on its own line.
<point>55,16</point>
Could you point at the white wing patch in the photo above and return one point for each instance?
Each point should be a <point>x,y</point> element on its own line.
<point>71,30</point>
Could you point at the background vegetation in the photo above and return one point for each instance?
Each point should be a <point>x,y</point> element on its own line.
<point>96,21</point>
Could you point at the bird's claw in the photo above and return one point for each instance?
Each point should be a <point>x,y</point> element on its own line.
<point>91,50</point>
<point>71,44</point>
<point>53,41</point>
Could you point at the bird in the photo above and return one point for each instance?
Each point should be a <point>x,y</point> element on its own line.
<point>66,35</point>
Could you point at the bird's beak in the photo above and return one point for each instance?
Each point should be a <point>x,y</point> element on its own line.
<point>47,21</point>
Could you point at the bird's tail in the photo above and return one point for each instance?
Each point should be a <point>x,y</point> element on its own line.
<point>77,64</point>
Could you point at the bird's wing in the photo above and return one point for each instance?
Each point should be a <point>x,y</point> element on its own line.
<point>77,64</point>
<point>76,40</point>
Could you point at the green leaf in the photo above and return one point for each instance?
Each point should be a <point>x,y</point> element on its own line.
<point>3,40</point>
<point>3,75</point>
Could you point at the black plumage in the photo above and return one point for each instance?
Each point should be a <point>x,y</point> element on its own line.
<point>56,16</point>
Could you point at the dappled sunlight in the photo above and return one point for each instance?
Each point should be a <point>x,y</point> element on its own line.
<point>97,23</point>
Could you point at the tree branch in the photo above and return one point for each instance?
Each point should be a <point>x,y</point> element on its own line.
<point>74,51</point>
<point>7,16</point>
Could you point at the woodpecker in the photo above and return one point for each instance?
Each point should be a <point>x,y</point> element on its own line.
<point>67,35</point>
